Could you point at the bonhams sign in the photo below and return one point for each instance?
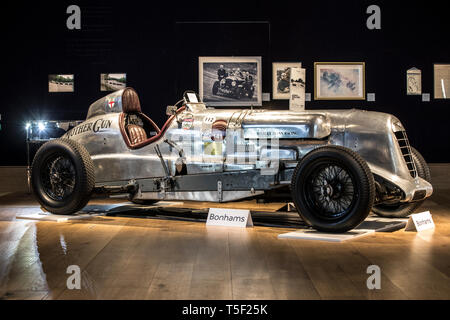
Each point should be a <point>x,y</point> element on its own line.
<point>229,217</point>
<point>420,221</point>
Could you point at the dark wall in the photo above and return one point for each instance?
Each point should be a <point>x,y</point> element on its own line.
<point>158,47</point>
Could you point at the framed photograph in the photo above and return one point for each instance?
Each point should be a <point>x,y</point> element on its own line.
<point>113,81</point>
<point>281,77</point>
<point>339,81</point>
<point>61,83</point>
<point>413,81</point>
<point>441,81</point>
<point>230,81</point>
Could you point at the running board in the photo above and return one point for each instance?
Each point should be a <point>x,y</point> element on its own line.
<point>131,187</point>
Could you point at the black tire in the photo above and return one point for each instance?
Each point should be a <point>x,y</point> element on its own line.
<point>62,176</point>
<point>400,210</point>
<point>215,88</point>
<point>346,195</point>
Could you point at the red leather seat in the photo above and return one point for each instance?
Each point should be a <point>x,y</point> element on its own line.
<point>133,123</point>
<point>135,135</point>
<point>130,101</point>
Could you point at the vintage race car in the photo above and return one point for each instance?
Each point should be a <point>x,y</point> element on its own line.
<point>236,86</point>
<point>335,165</point>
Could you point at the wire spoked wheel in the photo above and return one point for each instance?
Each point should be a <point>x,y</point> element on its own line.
<point>333,189</point>
<point>330,191</point>
<point>62,176</point>
<point>58,177</point>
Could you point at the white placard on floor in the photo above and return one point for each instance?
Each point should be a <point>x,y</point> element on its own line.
<point>419,222</point>
<point>371,225</point>
<point>44,216</point>
<point>323,236</point>
<point>229,218</point>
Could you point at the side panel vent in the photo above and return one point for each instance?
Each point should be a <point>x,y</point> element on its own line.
<point>406,152</point>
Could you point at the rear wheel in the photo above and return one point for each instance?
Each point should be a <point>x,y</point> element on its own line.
<point>333,189</point>
<point>399,210</point>
<point>62,176</point>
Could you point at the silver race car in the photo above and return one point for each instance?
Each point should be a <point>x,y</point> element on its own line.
<point>335,165</point>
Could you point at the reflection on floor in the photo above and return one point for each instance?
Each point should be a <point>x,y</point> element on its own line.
<point>173,255</point>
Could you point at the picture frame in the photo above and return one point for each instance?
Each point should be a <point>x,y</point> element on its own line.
<point>230,81</point>
<point>113,81</point>
<point>441,80</point>
<point>339,81</point>
<point>297,89</point>
<point>61,83</point>
<point>281,77</point>
<point>413,81</point>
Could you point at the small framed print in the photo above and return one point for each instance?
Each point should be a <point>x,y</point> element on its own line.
<point>113,81</point>
<point>297,90</point>
<point>413,81</point>
<point>339,81</point>
<point>61,83</point>
<point>441,81</point>
<point>281,78</point>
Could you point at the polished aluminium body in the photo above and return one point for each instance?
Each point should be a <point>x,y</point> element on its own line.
<point>258,151</point>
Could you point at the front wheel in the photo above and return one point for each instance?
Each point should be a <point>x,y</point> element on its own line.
<point>215,88</point>
<point>333,189</point>
<point>238,93</point>
<point>62,176</point>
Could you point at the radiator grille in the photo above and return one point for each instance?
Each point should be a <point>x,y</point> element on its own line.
<point>406,152</point>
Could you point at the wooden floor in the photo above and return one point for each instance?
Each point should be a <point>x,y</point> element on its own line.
<point>138,258</point>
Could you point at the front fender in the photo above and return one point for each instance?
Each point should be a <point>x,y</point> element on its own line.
<point>373,136</point>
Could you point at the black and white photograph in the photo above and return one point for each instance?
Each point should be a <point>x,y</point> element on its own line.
<point>230,81</point>
<point>113,81</point>
<point>281,76</point>
<point>60,83</point>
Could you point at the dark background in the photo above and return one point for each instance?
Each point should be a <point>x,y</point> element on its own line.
<point>158,43</point>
